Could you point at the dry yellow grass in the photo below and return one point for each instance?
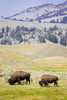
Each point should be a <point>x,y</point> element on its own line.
<point>33,55</point>
<point>37,50</point>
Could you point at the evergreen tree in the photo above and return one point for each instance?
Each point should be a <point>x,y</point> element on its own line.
<point>63,41</point>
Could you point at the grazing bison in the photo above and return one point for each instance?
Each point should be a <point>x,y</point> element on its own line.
<point>45,79</point>
<point>18,76</point>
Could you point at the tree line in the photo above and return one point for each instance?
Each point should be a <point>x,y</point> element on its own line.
<point>23,34</point>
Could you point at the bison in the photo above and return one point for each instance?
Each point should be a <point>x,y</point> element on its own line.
<point>45,79</point>
<point>18,76</point>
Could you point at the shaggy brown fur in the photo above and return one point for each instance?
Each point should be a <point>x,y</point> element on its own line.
<point>45,79</point>
<point>18,76</point>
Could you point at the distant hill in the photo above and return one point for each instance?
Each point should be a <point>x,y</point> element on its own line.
<point>44,13</point>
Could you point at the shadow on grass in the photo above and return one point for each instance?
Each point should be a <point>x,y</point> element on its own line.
<point>50,86</point>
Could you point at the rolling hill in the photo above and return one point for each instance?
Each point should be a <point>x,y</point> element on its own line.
<point>25,55</point>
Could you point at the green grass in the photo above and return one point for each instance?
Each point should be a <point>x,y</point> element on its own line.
<point>33,92</point>
<point>44,69</point>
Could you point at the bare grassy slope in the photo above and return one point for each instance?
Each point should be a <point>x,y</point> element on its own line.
<point>13,24</point>
<point>24,55</point>
<point>51,50</point>
<point>37,50</point>
<point>11,58</point>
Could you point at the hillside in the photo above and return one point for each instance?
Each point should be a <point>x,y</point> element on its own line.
<point>38,49</point>
<point>14,24</point>
<point>43,13</point>
<point>17,32</point>
<point>24,55</point>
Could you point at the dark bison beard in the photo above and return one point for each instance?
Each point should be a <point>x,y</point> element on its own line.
<point>41,83</point>
<point>11,82</point>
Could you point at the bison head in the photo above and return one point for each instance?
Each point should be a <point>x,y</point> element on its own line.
<point>11,82</point>
<point>41,83</point>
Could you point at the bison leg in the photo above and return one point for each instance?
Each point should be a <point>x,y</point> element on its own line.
<point>19,81</point>
<point>28,80</point>
<point>55,83</point>
<point>46,83</point>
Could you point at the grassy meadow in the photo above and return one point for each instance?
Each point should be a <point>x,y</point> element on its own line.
<point>38,59</point>
<point>33,92</point>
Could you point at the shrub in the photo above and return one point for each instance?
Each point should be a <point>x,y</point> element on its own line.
<point>7,29</point>
<point>5,41</point>
<point>24,28</point>
<point>32,29</point>
<point>41,39</point>
<point>1,34</point>
<point>3,30</point>
<point>60,33</point>
<point>52,21</point>
<point>19,37</point>
<point>63,41</point>
<point>51,38</point>
<point>64,20</point>
<point>53,28</point>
